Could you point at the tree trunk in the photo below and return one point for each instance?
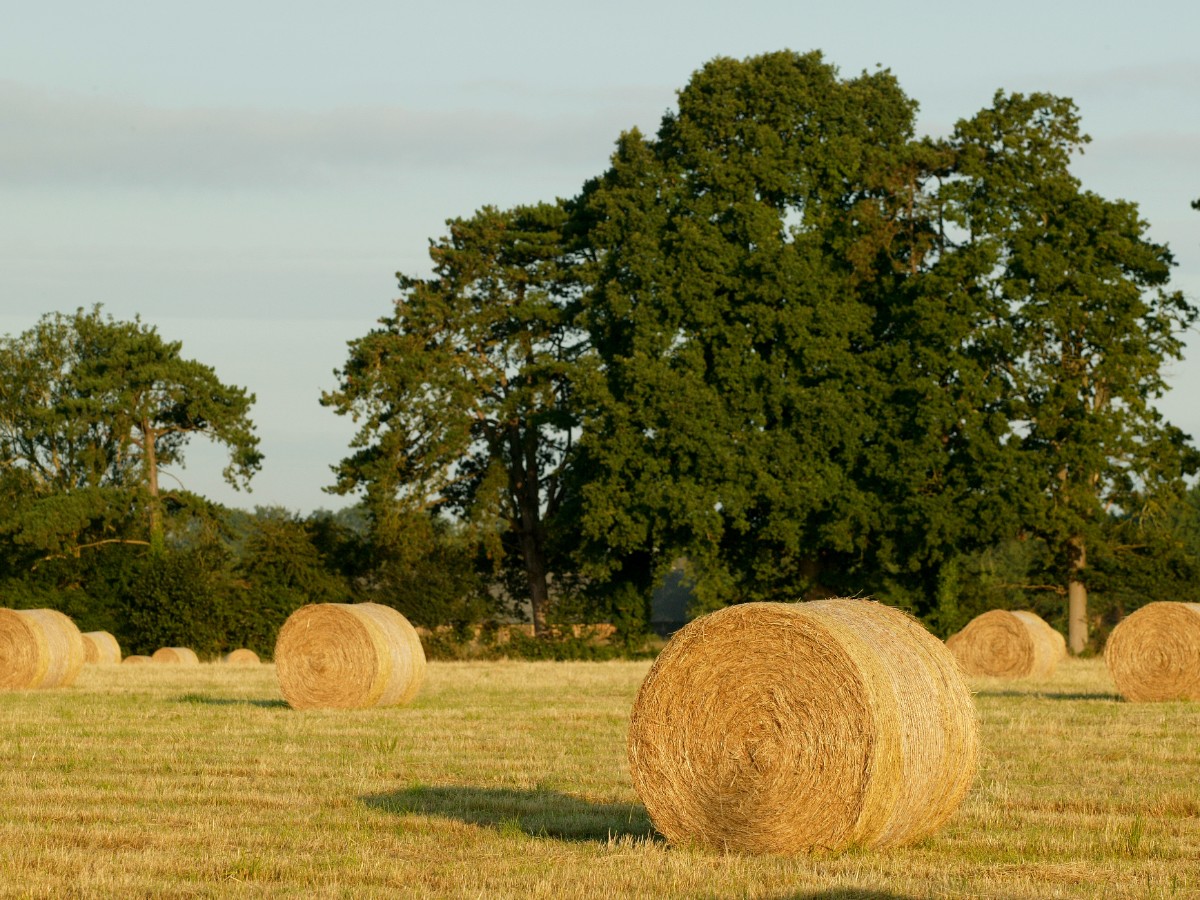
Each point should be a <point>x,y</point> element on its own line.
<point>1077,626</point>
<point>526,490</point>
<point>535,573</point>
<point>150,457</point>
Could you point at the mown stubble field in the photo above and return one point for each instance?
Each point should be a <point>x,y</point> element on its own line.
<point>509,779</point>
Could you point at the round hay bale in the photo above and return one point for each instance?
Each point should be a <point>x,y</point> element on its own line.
<point>784,728</point>
<point>100,647</point>
<point>135,659</point>
<point>242,657</point>
<point>1154,653</point>
<point>184,656</point>
<point>348,656</point>
<point>39,648</point>
<point>1005,644</point>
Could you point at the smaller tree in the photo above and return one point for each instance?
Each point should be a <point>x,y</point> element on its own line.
<point>464,391</point>
<point>91,411</point>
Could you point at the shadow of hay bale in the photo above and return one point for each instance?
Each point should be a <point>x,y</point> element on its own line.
<point>536,813</point>
<point>1106,696</point>
<point>847,894</point>
<point>205,700</point>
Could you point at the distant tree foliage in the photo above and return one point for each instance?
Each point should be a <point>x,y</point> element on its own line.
<point>91,411</point>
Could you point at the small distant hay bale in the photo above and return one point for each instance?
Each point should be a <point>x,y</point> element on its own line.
<point>1154,653</point>
<point>100,647</point>
<point>135,660</point>
<point>785,728</point>
<point>242,657</point>
<point>39,648</point>
<point>183,656</point>
<point>1004,644</point>
<point>348,656</point>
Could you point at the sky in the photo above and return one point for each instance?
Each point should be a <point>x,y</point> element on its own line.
<point>248,177</point>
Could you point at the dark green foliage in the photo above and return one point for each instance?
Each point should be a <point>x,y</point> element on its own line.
<point>175,600</point>
<point>835,357</point>
<point>430,572</point>
<point>463,393</point>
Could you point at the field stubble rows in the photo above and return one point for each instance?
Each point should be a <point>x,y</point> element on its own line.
<point>510,779</point>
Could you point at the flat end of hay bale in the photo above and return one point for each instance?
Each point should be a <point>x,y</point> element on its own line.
<point>39,648</point>
<point>1153,654</point>
<point>100,647</point>
<point>348,656</point>
<point>783,728</point>
<point>180,656</point>
<point>1004,644</point>
<point>241,657</point>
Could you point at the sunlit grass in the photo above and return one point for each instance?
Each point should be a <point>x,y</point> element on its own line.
<point>509,779</point>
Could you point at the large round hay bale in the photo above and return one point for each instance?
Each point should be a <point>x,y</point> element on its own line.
<point>783,728</point>
<point>242,657</point>
<point>135,659</point>
<point>175,656</point>
<point>348,656</point>
<point>39,648</point>
<point>100,647</point>
<point>1154,653</point>
<point>1005,644</point>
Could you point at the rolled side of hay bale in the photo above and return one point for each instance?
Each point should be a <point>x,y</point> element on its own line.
<point>39,648</point>
<point>135,659</point>
<point>1004,644</point>
<point>348,656</point>
<point>1154,653</point>
<point>100,647</point>
<point>183,656</point>
<point>241,657</point>
<point>783,728</point>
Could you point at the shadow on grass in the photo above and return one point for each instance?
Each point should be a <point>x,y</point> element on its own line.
<point>536,813</point>
<point>1049,695</point>
<point>205,700</point>
<point>847,894</point>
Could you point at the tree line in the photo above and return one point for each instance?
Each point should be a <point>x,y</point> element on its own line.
<point>786,342</point>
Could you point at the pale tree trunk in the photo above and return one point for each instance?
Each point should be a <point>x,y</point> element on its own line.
<point>535,572</point>
<point>1077,626</point>
<point>526,487</point>
<point>150,456</point>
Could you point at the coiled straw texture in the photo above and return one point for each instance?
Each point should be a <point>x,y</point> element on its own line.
<point>348,656</point>
<point>1005,644</point>
<point>180,656</point>
<point>100,647</point>
<point>784,728</point>
<point>39,648</point>
<point>1154,653</point>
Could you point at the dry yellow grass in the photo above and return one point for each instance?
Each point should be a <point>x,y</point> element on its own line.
<point>200,782</point>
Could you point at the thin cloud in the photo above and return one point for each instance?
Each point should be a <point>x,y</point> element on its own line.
<point>58,139</point>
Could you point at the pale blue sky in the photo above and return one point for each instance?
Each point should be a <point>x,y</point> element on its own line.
<point>248,176</point>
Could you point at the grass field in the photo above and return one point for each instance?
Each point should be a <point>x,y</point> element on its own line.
<point>508,779</point>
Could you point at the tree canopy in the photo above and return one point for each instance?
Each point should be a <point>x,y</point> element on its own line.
<point>463,393</point>
<point>91,411</point>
